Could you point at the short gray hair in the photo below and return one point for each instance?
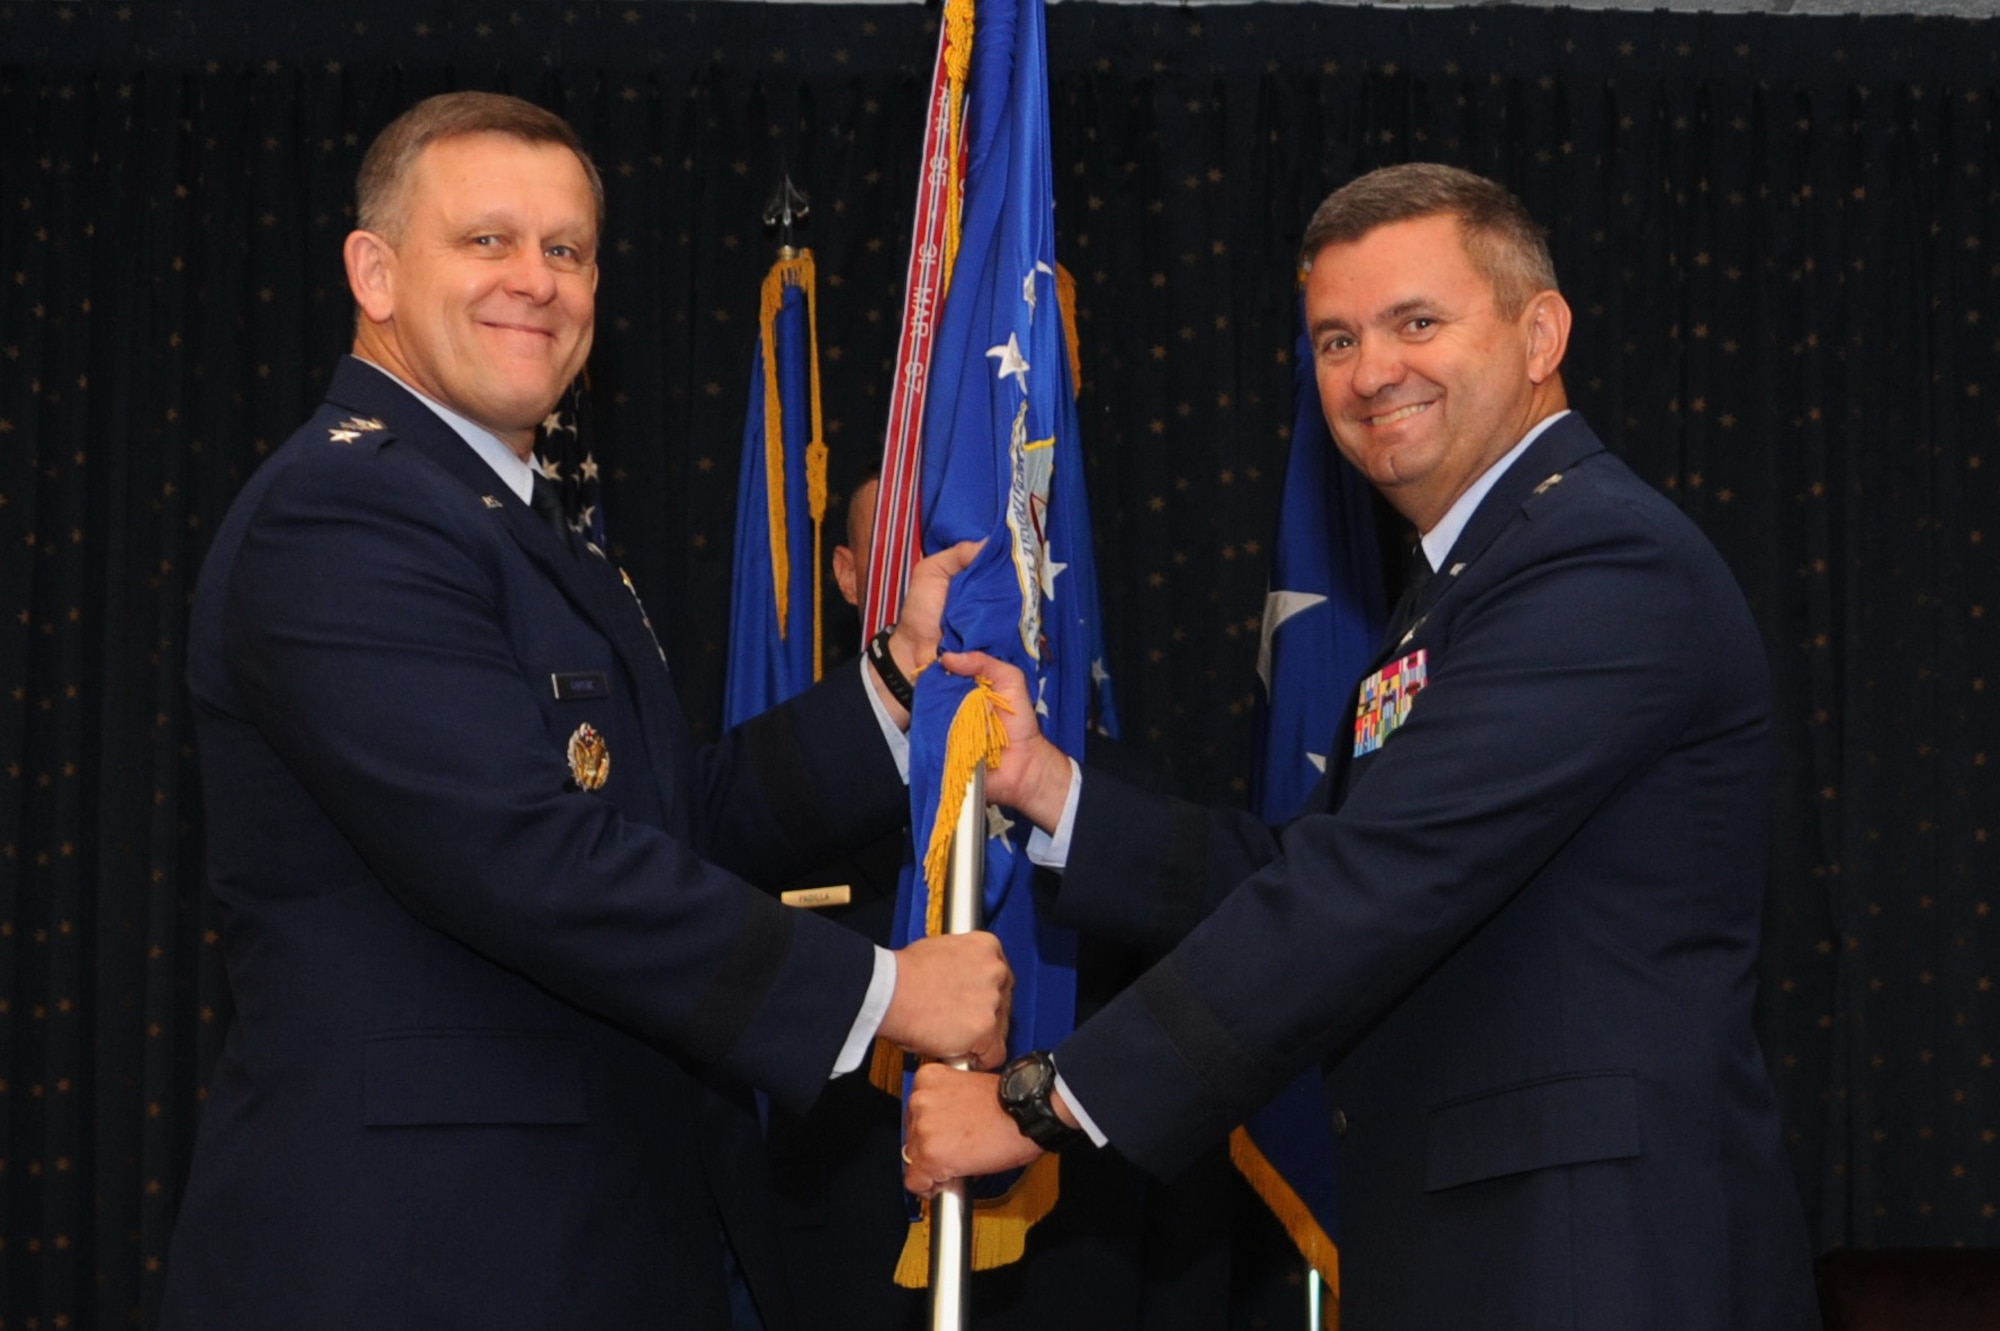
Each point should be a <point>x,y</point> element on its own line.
<point>378,190</point>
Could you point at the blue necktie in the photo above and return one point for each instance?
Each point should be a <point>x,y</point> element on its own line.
<point>1416,576</point>
<point>546,500</point>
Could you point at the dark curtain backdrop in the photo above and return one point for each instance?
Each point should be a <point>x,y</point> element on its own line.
<point>1780,236</point>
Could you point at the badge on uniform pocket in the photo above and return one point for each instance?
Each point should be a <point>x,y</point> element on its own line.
<point>589,758</point>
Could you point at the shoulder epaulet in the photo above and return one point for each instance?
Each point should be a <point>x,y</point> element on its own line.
<point>352,430</point>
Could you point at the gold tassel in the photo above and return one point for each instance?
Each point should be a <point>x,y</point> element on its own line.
<point>793,272</point>
<point>958,65</point>
<point>815,457</point>
<point>885,1068</point>
<point>816,475</point>
<point>1312,1241</point>
<point>1066,301</point>
<point>1000,1225</point>
<point>977,735</point>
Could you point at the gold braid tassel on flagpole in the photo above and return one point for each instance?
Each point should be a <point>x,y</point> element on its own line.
<point>976,739</point>
<point>791,270</point>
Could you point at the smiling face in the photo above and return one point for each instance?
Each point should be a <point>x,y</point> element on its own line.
<point>1424,381</point>
<point>483,296</point>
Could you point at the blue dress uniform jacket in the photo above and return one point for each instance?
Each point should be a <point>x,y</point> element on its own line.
<point>1521,934</point>
<point>492,1024</point>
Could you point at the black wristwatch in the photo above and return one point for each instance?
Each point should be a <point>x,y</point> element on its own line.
<point>891,674</point>
<point>1025,1086</point>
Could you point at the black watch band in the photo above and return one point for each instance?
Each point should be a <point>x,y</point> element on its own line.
<point>888,671</point>
<point>1025,1086</point>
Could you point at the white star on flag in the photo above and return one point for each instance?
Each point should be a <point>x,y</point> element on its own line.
<point>1048,578</point>
<point>1011,360</point>
<point>998,824</point>
<point>1279,607</point>
<point>1028,287</point>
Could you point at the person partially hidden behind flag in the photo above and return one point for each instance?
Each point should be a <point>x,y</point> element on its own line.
<point>1518,921</point>
<point>501,984</point>
<point>1120,1252</point>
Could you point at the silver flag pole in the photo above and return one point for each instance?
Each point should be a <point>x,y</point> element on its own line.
<point>1315,1300</point>
<point>951,1210</point>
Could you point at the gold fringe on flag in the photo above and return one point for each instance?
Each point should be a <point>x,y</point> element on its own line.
<point>795,271</point>
<point>1312,1241</point>
<point>1000,1225</point>
<point>1066,301</point>
<point>977,735</point>
<point>885,1068</point>
<point>958,65</point>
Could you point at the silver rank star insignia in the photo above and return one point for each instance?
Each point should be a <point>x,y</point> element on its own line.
<point>589,759</point>
<point>352,429</point>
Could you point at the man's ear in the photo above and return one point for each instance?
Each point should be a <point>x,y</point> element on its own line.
<point>371,271</point>
<point>846,574</point>
<point>1548,321</point>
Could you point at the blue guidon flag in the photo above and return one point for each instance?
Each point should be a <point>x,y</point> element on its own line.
<point>774,607</point>
<point>1001,463</point>
<point>1323,616</point>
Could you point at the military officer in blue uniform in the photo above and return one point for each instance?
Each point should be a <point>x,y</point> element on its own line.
<point>1518,923</point>
<point>501,984</point>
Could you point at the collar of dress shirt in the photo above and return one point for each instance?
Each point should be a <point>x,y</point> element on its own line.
<point>509,466</point>
<point>1438,540</point>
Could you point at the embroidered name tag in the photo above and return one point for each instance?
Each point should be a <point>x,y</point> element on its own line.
<point>813,898</point>
<point>1386,697</point>
<point>580,685</point>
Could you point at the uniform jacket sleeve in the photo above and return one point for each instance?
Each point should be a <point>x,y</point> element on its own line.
<point>1594,633</point>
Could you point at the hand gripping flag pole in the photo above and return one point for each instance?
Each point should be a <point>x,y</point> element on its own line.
<point>951,1209</point>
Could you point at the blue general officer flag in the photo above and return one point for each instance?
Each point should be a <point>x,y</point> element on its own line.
<point>1001,463</point>
<point>1323,613</point>
<point>774,630</point>
<point>1322,617</point>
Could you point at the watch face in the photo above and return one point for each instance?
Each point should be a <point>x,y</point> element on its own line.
<point>1019,1079</point>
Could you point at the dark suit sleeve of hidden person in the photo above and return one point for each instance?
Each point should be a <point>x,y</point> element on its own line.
<point>488,964</point>
<point>1520,933</point>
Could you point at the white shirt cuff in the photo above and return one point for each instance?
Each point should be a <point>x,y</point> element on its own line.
<point>1083,1120</point>
<point>1051,849</point>
<point>899,743</point>
<point>874,1007</point>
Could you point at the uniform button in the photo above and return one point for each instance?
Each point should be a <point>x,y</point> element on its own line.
<point>1340,1123</point>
